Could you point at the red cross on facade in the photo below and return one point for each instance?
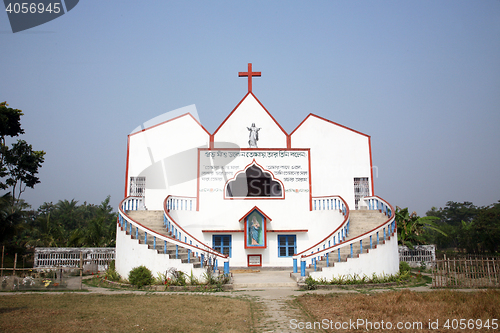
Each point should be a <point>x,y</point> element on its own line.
<point>250,74</point>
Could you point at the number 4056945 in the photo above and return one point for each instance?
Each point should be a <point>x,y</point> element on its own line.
<point>471,324</point>
<point>33,8</point>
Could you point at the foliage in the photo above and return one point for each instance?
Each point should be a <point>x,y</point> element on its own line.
<point>19,164</point>
<point>140,276</point>
<point>356,279</point>
<point>471,229</point>
<point>11,217</point>
<point>22,163</point>
<point>10,126</point>
<point>210,277</point>
<point>311,283</point>
<point>193,280</point>
<point>178,278</point>
<point>69,224</point>
<point>455,212</point>
<point>411,227</point>
<point>161,278</point>
<point>111,274</point>
<point>404,267</point>
<point>63,224</point>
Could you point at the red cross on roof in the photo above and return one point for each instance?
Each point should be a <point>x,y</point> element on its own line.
<point>250,74</point>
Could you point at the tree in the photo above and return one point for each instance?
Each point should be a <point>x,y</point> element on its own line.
<point>484,230</point>
<point>455,220</point>
<point>18,165</point>
<point>22,163</point>
<point>455,212</point>
<point>69,224</point>
<point>412,228</point>
<point>10,218</point>
<point>10,126</point>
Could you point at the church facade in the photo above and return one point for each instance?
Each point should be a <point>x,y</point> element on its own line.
<point>251,194</point>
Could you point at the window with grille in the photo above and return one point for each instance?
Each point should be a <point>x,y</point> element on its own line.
<point>137,186</point>
<point>361,189</point>
<point>287,245</point>
<point>222,244</point>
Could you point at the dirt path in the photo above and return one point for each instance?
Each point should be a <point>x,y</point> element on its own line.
<point>274,292</point>
<point>278,311</point>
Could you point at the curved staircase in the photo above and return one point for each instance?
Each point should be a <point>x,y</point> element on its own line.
<point>367,247</point>
<point>153,219</point>
<point>153,239</point>
<point>361,221</point>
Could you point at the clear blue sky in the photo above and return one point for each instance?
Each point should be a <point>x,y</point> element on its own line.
<point>421,77</point>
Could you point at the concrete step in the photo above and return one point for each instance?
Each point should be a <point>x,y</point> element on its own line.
<point>153,219</point>
<point>263,279</point>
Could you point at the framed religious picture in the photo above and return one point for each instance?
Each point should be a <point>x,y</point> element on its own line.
<point>255,230</point>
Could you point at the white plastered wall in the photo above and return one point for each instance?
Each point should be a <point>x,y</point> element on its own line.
<point>318,224</point>
<point>338,155</point>
<point>167,155</point>
<point>131,254</point>
<point>383,260</point>
<point>235,130</point>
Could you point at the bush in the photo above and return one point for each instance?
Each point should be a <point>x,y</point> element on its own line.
<point>311,283</point>
<point>404,267</point>
<point>178,277</point>
<point>140,276</point>
<point>111,274</point>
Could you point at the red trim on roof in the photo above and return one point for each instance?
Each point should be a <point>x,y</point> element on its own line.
<point>237,106</point>
<point>126,168</point>
<point>329,121</point>
<point>251,210</point>
<point>298,230</point>
<point>221,231</point>
<point>371,163</point>
<point>166,121</point>
<point>310,183</point>
<point>198,183</point>
<point>233,231</point>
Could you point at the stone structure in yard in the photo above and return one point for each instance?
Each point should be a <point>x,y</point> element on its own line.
<point>419,255</point>
<point>252,195</point>
<point>95,259</point>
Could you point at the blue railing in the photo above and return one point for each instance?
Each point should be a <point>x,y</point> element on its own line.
<point>333,203</point>
<point>384,230</point>
<point>132,227</point>
<point>180,203</point>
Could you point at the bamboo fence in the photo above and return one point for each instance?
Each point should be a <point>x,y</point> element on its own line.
<point>466,273</point>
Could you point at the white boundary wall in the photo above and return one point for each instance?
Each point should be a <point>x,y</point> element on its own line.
<point>417,255</point>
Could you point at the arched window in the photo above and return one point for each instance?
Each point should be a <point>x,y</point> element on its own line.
<point>254,182</point>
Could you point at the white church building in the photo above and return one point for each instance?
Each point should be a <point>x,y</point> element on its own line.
<point>252,195</point>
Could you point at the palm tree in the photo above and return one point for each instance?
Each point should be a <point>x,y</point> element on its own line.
<point>411,227</point>
<point>11,216</point>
